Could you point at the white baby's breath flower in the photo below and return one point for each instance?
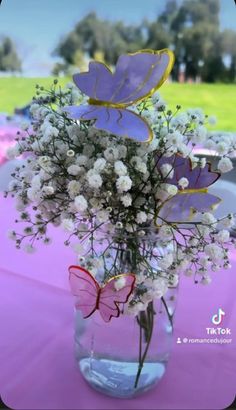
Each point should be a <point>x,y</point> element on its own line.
<point>120,168</point>
<point>48,190</point>
<point>228,222</point>
<point>199,136</point>
<point>11,235</point>
<point>171,189</point>
<point>99,164</point>
<point>204,231</point>
<point>193,241</point>
<point>120,283</point>
<point>225,165</point>
<point>33,194</point>
<point>96,203</point>
<point>50,131</point>
<point>141,167</point>
<point>80,203</point>
<point>82,160</point>
<point>153,145</point>
<point>165,232</point>
<point>141,217</point>
<point>94,181</point>
<point>74,188</point>
<point>161,194</point>
<point>160,287</point>
<point>183,182</point>
<point>188,272</point>
<point>75,95</point>
<point>80,248</point>
<point>122,151</point>
<point>34,109</point>
<point>111,154</point>
<point>184,150</point>
<point>20,205</point>
<point>74,170</point>
<point>180,120</point>
<point>147,296</point>
<point>13,185</point>
<point>24,126</point>
<point>36,182</point>
<point>123,183</point>
<point>44,161</point>
<point>206,280</point>
<point>134,309</point>
<point>204,261</point>
<point>126,200</point>
<point>214,252</point>
<point>222,148</point>
<point>68,225</point>
<point>70,153</point>
<point>222,236</point>
<point>88,150</point>
<point>174,139</point>
<point>210,144</point>
<point>167,170</point>
<point>196,115</point>
<point>174,280</point>
<point>13,152</point>
<point>29,248</point>
<point>166,261</point>
<point>102,216</point>
<point>208,218</point>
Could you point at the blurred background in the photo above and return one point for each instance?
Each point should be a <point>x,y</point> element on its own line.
<point>40,39</point>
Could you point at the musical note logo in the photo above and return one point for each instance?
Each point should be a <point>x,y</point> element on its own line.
<point>218,317</point>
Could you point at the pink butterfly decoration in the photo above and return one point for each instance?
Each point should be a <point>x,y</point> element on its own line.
<point>91,296</point>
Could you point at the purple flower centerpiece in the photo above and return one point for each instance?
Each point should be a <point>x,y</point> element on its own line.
<point>114,168</point>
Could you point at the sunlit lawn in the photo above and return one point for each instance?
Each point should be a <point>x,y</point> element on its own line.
<point>215,99</point>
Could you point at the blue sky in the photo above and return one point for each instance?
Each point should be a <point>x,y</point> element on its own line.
<point>37,25</point>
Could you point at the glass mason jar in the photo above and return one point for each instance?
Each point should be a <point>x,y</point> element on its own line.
<point>127,355</point>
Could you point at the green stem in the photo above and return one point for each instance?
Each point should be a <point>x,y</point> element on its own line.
<point>149,326</point>
<point>170,317</point>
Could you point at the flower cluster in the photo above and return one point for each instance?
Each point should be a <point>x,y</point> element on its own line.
<point>96,185</point>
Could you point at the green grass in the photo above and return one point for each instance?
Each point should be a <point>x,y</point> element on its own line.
<point>18,91</point>
<point>215,99</point>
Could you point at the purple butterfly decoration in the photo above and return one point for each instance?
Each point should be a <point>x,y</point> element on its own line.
<point>137,76</point>
<point>195,198</point>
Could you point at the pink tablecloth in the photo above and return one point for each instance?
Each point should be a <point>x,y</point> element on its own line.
<point>7,139</point>
<point>38,370</point>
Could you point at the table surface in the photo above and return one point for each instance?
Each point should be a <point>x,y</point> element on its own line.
<point>38,370</point>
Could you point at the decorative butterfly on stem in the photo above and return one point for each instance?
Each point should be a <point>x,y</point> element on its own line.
<point>195,198</point>
<point>136,77</point>
<point>91,296</point>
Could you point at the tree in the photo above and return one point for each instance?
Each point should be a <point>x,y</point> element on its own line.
<point>228,46</point>
<point>194,28</point>
<point>93,35</point>
<point>190,29</point>
<point>9,60</point>
<point>157,36</point>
